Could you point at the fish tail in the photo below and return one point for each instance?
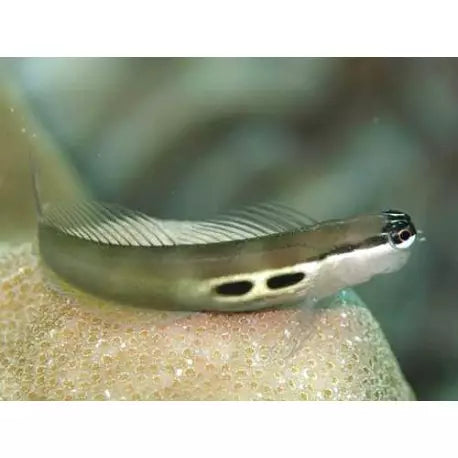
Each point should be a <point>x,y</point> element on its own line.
<point>35,186</point>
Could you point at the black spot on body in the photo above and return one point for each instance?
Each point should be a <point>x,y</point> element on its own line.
<point>234,288</point>
<point>285,280</point>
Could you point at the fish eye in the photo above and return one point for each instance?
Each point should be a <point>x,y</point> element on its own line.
<point>403,238</point>
<point>404,235</point>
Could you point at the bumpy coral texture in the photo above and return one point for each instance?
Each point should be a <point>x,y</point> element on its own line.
<point>62,345</point>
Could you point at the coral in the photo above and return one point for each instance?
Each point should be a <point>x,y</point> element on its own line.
<point>60,344</point>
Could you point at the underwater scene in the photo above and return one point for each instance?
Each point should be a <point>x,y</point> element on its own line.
<point>228,229</point>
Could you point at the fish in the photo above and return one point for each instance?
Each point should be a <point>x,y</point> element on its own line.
<point>257,257</point>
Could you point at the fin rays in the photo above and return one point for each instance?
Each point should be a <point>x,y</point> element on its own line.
<point>112,224</point>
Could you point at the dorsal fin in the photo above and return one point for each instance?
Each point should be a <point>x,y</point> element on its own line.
<point>113,225</point>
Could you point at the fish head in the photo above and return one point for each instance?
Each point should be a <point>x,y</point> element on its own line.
<point>393,243</point>
<point>400,230</point>
<point>367,246</point>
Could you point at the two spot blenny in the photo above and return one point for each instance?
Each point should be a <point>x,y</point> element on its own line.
<point>258,257</point>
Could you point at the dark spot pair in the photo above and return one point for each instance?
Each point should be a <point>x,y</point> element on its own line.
<point>240,288</point>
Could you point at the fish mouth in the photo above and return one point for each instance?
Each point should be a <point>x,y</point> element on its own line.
<point>421,236</point>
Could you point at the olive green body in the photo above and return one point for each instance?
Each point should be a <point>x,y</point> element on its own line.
<point>170,276</point>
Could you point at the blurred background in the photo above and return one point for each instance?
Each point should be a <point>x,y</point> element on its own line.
<point>186,138</point>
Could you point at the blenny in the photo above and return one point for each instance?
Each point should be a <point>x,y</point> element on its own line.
<point>257,257</point>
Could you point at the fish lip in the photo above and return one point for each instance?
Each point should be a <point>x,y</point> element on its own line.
<point>421,236</point>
